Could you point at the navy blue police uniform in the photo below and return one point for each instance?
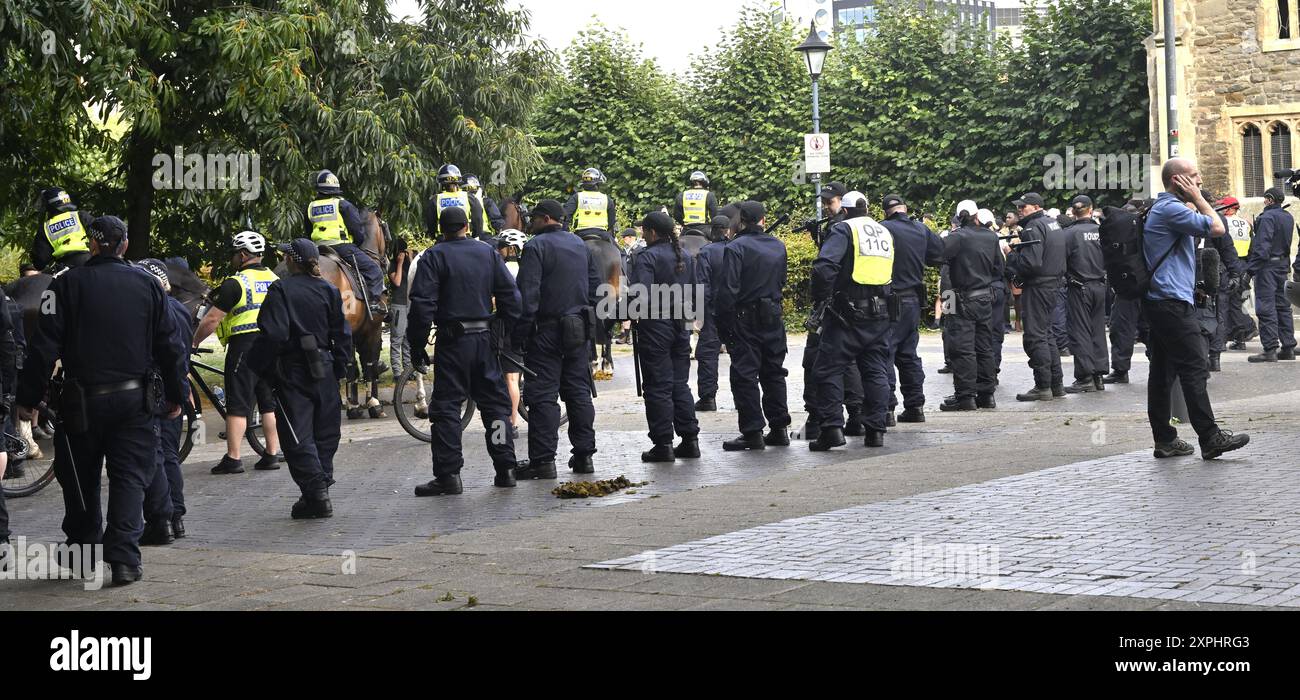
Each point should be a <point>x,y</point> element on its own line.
<point>109,325</point>
<point>915,248</point>
<point>708,346</point>
<point>1086,304</point>
<point>1040,268</point>
<point>975,263</point>
<point>1270,256</point>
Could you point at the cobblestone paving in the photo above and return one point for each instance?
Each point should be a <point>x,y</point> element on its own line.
<point>1224,531</point>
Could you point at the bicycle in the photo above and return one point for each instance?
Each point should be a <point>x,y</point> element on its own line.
<point>194,407</point>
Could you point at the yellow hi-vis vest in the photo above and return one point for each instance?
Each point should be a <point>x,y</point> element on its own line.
<point>66,234</point>
<point>483,218</point>
<point>873,251</point>
<point>1239,229</point>
<point>459,198</point>
<point>253,284</point>
<point>327,225</point>
<point>695,206</point>
<point>593,211</point>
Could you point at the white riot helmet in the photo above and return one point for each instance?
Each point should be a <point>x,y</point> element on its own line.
<point>250,242</point>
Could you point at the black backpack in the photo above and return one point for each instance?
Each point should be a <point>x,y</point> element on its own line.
<point>1121,250</point>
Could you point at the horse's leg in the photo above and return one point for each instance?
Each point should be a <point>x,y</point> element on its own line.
<point>421,398</point>
<point>25,432</point>
<point>354,406</point>
<point>374,347</point>
<point>607,355</point>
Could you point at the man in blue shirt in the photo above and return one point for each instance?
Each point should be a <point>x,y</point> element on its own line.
<point>1178,350</point>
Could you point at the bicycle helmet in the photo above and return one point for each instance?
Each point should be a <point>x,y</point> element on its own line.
<point>250,242</point>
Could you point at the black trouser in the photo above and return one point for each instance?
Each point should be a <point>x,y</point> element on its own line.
<point>903,338</point>
<point>974,371</point>
<point>1038,302</point>
<point>466,366</point>
<point>1241,326</point>
<point>665,350</point>
<point>1125,317</point>
<point>707,349</point>
<point>865,346</point>
<point>998,326</point>
<point>1178,352</point>
<point>757,360</point>
<point>122,437</point>
<point>1061,319</point>
<point>852,382</point>
<point>1276,324</point>
<point>1087,306</point>
<point>165,496</point>
<point>560,375</point>
<point>308,409</point>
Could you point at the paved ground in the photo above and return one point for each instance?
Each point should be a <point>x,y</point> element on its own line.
<point>1063,495</point>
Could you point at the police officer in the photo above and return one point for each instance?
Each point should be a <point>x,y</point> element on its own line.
<point>234,313</point>
<point>590,211</point>
<point>1086,300</point>
<point>334,221</point>
<point>748,303</point>
<point>1231,276</point>
<point>164,499</point>
<point>832,199</point>
<point>695,207</point>
<point>664,339</point>
<point>709,346</point>
<point>109,325</point>
<point>998,323</point>
<point>1039,266</point>
<point>1270,256</point>
<point>558,283</point>
<point>304,348</point>
<point>451,195</point>
<point>853,270</point>
<point>63,235</point>
<point>1240,326</point>
<point>490,218</point>
<point>975,264</point>
<point>915,247</point>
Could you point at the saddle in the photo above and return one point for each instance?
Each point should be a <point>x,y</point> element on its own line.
<point>345,264</point>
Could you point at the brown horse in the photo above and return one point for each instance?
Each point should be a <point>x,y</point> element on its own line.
<point>514,213</point>
<point>609,265</point>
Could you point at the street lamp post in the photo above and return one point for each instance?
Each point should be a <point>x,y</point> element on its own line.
<point>814,50</point>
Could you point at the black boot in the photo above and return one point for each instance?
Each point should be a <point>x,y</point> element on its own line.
<point>890,420</point>
<point>1213,362</point>
<point>985,401</point>
<point>178,526</point>
<point>874,438</point>
<point>157,533</point>
<point>659,453</point>
<point>1286,354</point>
<point>946,369</point>
<point>1116,377</point>
<point>1081,386</point>
<point>505,478</point>
<point>811,429</point>
<point>1266,356</point>
<point>777,437</point>
<point>442,486</point>
<point>269,462</point>
<point>706,404</point>
<point>1038,393</point>
<point>229,465</point>
<point>966,404</point>
<point>853,425</point>
<point>1098,382</point>
<point>581,464</point>
<point>527,469</point>
<point>317,505</point>
<point>1058,390</point>
<point>124,575</point>
<point>688,448</point>
<point>830,437</point>
<point>912,415</point>
<point>746,441</point>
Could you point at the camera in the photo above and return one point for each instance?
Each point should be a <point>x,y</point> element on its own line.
<point>1292,178</point>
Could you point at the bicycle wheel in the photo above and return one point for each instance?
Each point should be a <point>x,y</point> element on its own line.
<point>36,471</point>
<point>190,424</point>
<point>406,403</point>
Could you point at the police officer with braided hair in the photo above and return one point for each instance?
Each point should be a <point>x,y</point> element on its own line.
<point>748,302</point>
<point>304,348</point>
<point>1039,266</point>
<point>63,235</point>
<point>590,212</point>
<point>709,346</point>
<point>664,340</point>
<point>450,194</point>
<point>853,271</point>
<point>915,248</point>
<point>975,264</point>
<point>695,207</point>
<point>334,221</point>
<point>558,284</point>
<point>108,325</point>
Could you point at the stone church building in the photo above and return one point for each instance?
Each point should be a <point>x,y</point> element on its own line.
<point>1238,92</point>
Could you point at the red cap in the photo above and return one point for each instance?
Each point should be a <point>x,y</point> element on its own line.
<point>1229,202</point>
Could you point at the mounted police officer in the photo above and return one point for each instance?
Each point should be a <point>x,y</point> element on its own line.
<point>590,211</point>
<point>450,195</point>
<point>1086,301</point>
<point>748,303</point>
<point>915,248</point>
<point>709,346</point>
<point>558,284</point>
<point>1268,262</point>
<point>303,350</point>
<point>108,324</point>
<point>852,272</point>
<point>63,235</point>
<point>164,499</point>
<point>695,208</point>
<point>664,340</point>
<point>1039,267</point>
<point>234,313</point>
<point>334,221</point>
<point>490,219</point>
<point>975,264</point>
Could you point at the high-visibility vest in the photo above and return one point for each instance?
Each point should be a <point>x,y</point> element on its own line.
<point>695,206</point>
<point>448,199</point>
<point>1240,231</point>
<point>873,251</point>
<point>242,318</point>
<point>593,211</point>
<point>66,234</point>
<point>482,209</point>
<point>327,226</point>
